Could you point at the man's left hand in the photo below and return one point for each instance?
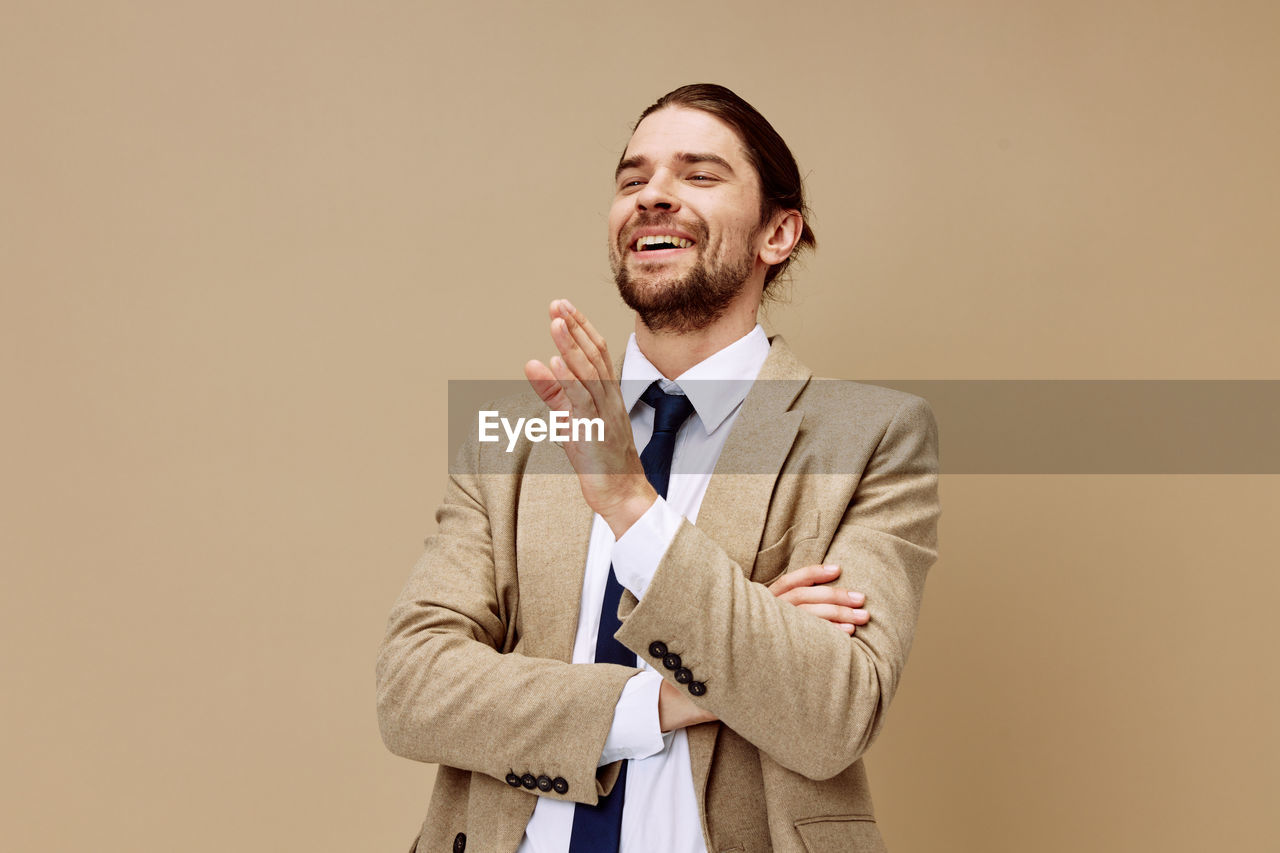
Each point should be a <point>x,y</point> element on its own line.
<point>580,381</point>
<point>803,588</point>
<point>809,589</point>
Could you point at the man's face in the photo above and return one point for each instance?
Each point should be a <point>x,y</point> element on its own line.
<point>684,175</point>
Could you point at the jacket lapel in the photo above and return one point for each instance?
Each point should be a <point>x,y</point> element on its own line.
<point>736,504</point>
<point>552,538</point>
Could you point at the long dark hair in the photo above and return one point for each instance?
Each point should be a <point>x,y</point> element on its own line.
<point>780,184</point>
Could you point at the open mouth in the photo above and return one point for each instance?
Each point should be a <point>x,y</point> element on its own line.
<point>659,243</point>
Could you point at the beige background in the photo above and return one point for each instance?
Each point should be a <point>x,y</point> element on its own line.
<point>244,245</point>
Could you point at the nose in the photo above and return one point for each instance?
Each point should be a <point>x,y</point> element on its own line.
<point>658,193</point>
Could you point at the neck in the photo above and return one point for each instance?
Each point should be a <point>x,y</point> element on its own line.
<point>675,352</point>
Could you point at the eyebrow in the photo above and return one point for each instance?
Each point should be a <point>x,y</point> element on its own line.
<point>690,158</point>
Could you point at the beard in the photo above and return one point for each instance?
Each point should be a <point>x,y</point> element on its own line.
<point>683,303</point>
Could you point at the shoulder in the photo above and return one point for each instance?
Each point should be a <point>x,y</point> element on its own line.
<point>834,397</point>
<point>841,411</point>
<point>847,423</point>
<point>843,398</point>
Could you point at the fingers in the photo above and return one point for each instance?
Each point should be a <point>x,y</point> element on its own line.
<point>845,618</point>
<point>581,336</point>
<point>805,588</point>
<point>824,595</point>
<point>577,394</point>
<point>560,385</point>
<point>580,323</point>
<point>576,360</point>
<point>545,385</point>
<point>584,352</point>
<point>807,576</point>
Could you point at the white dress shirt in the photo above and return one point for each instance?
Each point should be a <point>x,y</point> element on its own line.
<point>660,809</point>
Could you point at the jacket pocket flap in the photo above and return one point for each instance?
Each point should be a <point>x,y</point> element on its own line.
<point>772,561</point>
<point>841,834</point>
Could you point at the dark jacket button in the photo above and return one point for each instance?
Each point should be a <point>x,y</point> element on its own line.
<point>683,676</point>
<point>544,783</point>
<point>459,842</point>
<point>697,688</point>
<point>513,780</point>
<point>528,781</point>
<point>671,660</point>
<point>657,648</point>
<point>561,786</point>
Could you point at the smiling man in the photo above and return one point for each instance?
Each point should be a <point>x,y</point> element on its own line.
<point>672,269</point>
<point>690,644</point>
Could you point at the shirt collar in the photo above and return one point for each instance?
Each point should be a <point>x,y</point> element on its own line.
<point>733,369</point>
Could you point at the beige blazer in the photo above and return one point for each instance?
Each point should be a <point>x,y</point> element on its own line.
<point>473,674</point>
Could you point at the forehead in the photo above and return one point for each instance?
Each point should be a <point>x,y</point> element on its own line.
<point>674,130</point>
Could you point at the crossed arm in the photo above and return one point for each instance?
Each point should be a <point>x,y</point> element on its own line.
<point>801,588</point>
<point>761,655</point>
<point>613,482</point>
<point>453,688</point>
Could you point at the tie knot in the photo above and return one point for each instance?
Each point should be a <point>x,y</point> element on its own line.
<point>670,410</point>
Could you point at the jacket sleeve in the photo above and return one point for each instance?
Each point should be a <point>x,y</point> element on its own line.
<point>451,687</point>
<point>797,687</point>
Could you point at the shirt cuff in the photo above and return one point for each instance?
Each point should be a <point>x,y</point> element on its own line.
<point>637,554</point>
<point>636,732</point>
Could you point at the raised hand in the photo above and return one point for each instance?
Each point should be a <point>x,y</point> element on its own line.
<point>580,381</point>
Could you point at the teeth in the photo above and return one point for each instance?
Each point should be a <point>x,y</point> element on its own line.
<point>680,242</point>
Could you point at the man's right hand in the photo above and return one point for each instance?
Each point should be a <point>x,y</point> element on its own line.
<point>802,588</point>
<point>677,711</point>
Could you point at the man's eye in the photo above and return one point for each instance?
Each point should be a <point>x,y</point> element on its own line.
<point>704,178</point>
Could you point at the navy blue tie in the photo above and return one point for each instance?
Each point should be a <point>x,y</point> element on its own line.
<point>598,828</point>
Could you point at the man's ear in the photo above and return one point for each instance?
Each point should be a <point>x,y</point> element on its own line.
<point>781,237</point>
